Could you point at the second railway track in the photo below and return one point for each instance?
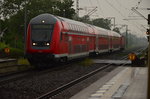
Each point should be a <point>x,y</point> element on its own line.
<point>62,88</point>
<point>37,84</point>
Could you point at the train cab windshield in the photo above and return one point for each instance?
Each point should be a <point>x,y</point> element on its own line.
<point>41,33</point>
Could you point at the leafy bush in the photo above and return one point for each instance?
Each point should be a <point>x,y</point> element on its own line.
<point>22,61</point>
<point>3,45</point>
<point>14,52</point>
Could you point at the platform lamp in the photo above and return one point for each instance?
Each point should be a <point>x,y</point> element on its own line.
<point>0,24</point>
<point>25,25</point>
<point>148,19</point>
<point>148,92</point>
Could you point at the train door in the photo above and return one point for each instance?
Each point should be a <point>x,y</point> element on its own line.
<point>88,44</point>
<point>110,41</point>
<point>97,43</point>
<point>70,45</point>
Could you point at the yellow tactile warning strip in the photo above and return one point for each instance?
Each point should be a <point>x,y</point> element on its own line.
<point>107,90</point>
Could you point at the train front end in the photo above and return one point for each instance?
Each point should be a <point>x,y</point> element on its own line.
<point>41,39</point>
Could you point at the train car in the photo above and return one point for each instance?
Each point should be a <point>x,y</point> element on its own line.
<point>116,41</point>
<point>52,38</point>
<point>122,42</point>
<point>102,40</point>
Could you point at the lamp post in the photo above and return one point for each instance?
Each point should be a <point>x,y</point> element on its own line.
<point>77,7</point>
<point>113,19</point>
<point>25,25</point>
<point>0,25</point>
<point>126,35</point>
<point>148,91</point>
<point>124,25</point>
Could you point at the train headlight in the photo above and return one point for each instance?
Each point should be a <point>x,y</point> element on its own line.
<point>43,21</point>
<point>34,44</point>
<point>47,44</point>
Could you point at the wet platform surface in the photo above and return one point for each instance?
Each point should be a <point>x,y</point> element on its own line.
<point>7,60</point>
<point>138,87</point>
<point>121,83</point>
<point>117,62</point>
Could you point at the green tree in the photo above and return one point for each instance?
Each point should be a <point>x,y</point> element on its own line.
<point>104,23</point>
<point>36,7</point>
<point>15,30</point>
<point>85,19</point>
<point>64,9</point>
<point>116,29</point>
<point>10,7</point>
<point>13,13</point>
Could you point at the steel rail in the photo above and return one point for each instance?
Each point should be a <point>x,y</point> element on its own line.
<point>68,85</point>
<point>78,80</point>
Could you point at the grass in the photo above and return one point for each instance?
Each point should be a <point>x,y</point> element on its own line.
<point>14,52</point>
<point>22,61</point>
<point>86,62</point>
<point>3,45</point>
<point>23,64</point>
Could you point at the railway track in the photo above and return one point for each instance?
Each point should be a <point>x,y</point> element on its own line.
<point>36,73</point>
<point>13,76</point>
<point>62,88</point>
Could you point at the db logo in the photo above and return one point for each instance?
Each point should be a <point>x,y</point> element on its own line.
<point>7,50</point>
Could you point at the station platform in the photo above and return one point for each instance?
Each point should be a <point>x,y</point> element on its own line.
<point>121,83</point>
<point>114,62</point>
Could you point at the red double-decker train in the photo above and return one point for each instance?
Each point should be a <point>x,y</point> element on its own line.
<point>51,38</point>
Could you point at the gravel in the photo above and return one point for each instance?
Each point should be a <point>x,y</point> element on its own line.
<point>40,83</point>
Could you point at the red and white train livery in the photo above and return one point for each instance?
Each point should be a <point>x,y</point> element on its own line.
<point>51,38</point>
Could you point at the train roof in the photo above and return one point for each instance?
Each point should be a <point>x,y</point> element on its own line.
<point>101,31</point>
<point>71,21</point>
<point>47,18</point>
<point>87,28</point>
<point>115,34</point>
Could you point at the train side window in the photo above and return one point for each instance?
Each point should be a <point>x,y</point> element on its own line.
<point>70,38</point>
<point>76,28</point>
<point>79,29</point>
<point>82,29</point>
<point>61,36</point>
<point>73,27</point>
<point>66,37</point>
<point>86,30</point>
<point>87,39</point>
<point>69,26</point>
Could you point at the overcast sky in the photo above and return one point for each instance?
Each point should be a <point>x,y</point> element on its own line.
<point>120,9</point>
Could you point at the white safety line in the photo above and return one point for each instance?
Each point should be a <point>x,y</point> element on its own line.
<point>102,90</point>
